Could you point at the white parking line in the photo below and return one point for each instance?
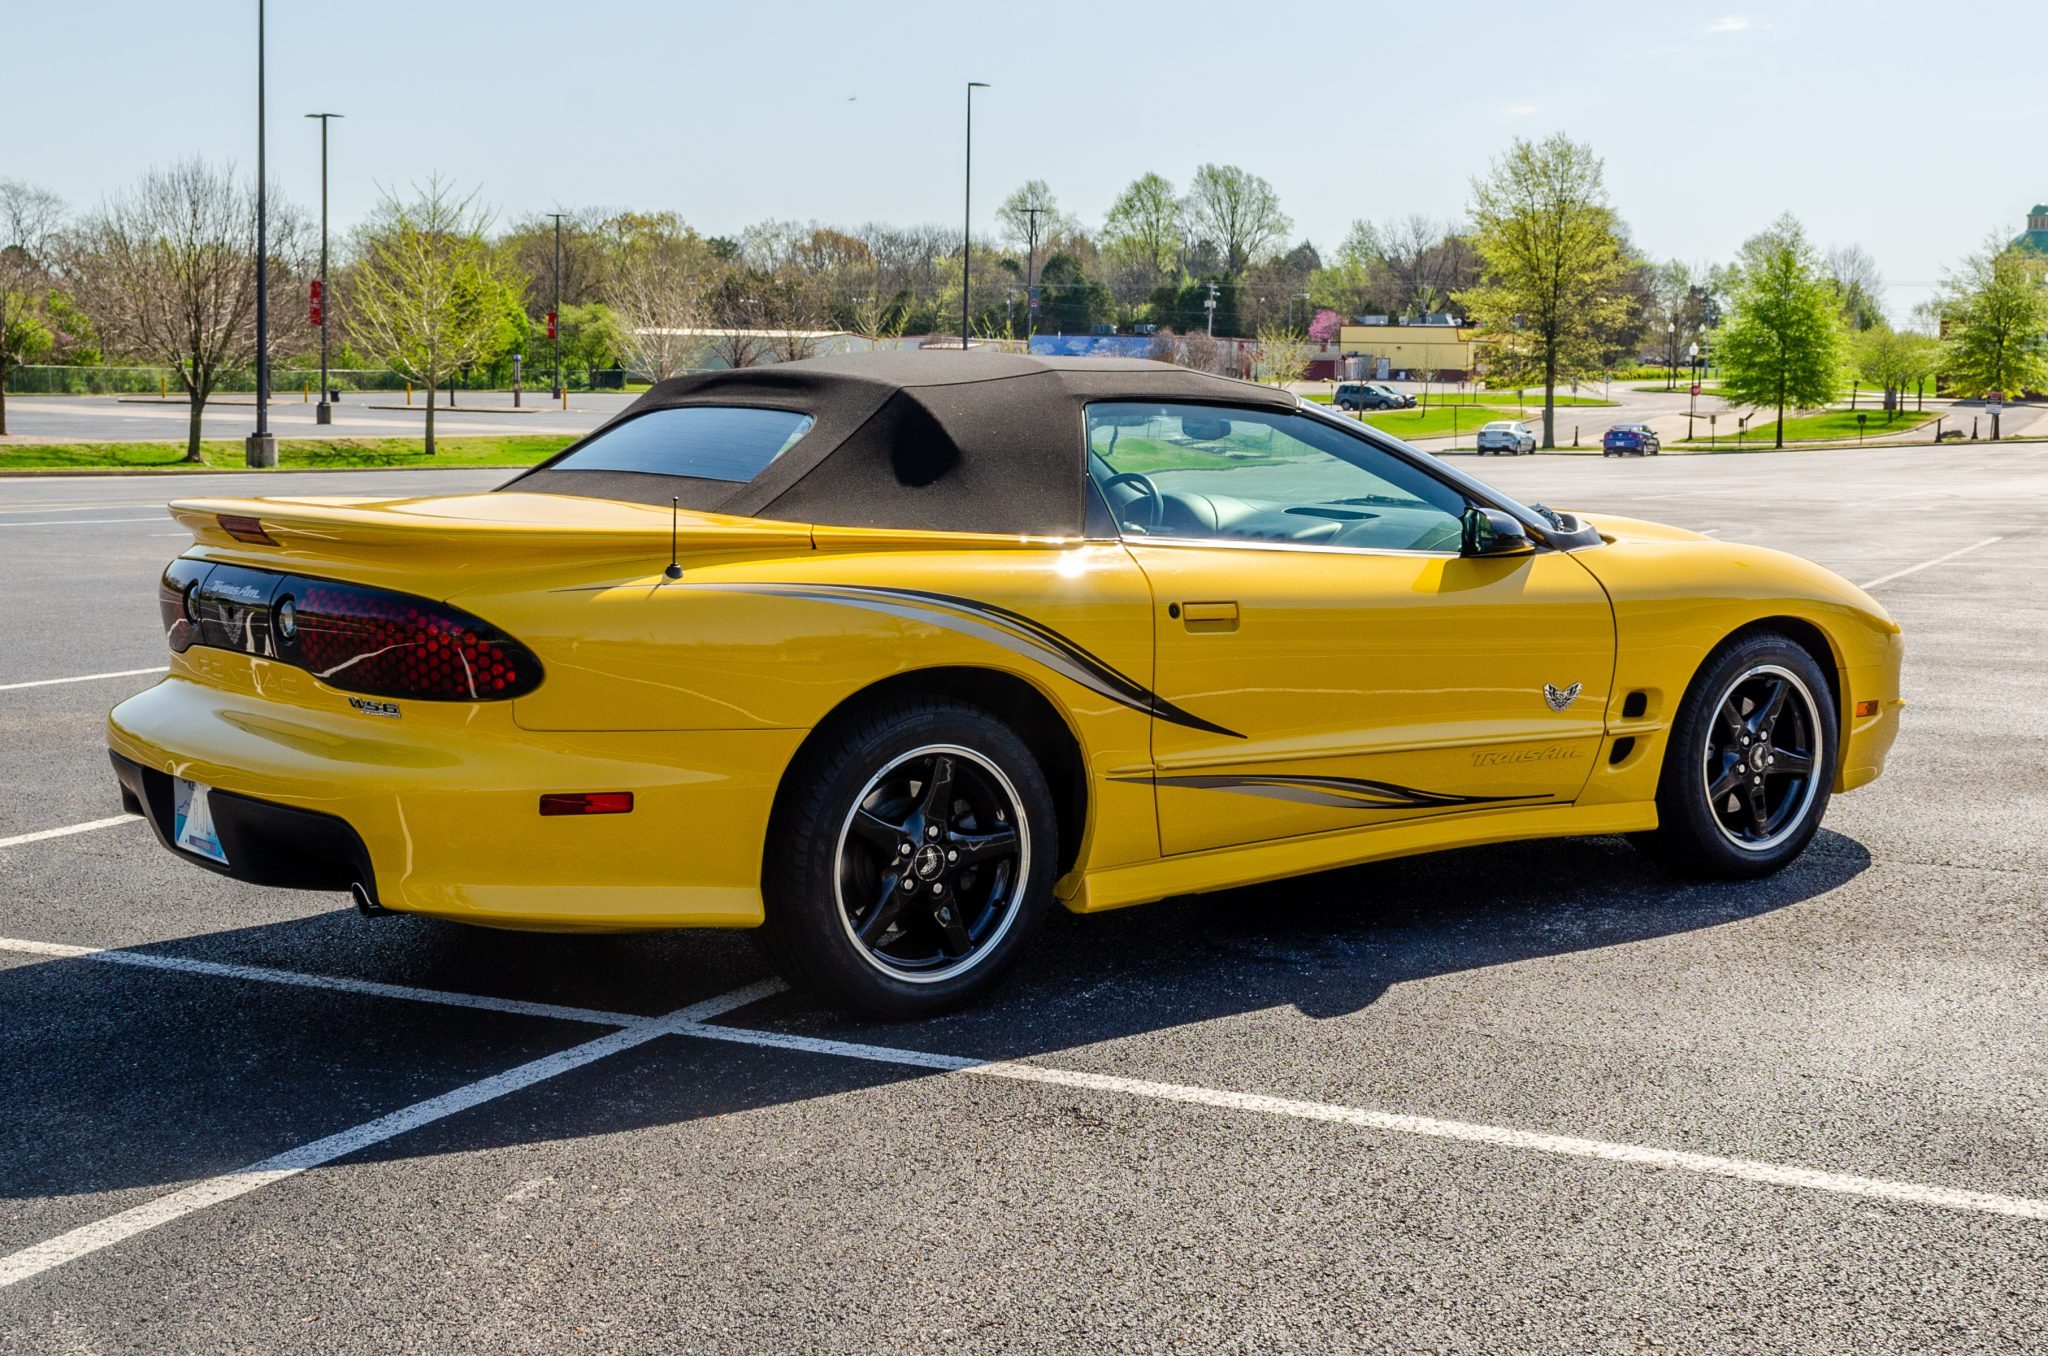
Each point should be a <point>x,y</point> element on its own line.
<point>1930,564</point>
<point>77,508</point>
<point>370,988</point>
<point>695,1021</point>
<point>77,522</point>
<point>1572,1146</point>
<point>83,677</point>
<point>40,834</point>
<point>90,1238</point>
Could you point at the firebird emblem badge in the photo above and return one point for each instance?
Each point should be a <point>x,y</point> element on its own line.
<point>1560,698</point>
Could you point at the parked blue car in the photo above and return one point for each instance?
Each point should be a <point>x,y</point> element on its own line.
<point>1629,439</point>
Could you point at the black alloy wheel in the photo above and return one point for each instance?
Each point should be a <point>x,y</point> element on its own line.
<point>910,858</point>
<point>931,863</point>
<point>1749,763</point>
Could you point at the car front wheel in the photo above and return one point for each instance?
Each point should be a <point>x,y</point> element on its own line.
<point>1750,762</point>
<point>910,861</point>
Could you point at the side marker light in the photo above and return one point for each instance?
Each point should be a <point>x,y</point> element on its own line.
<point>587,803</point>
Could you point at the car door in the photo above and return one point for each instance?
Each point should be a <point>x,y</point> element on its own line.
<point>1325,658</point>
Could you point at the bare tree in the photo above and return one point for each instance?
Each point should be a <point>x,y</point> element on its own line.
<point>1283,355</point>
<point>428,295</point>
<point>659,284</point>
<point>1859,284</point>
<point>168,275</point>
<point>1422,262</point>
<point>29,218</point>
<point>1239,211</point>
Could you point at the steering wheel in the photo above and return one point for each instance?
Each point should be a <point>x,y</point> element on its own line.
<point>1155,515</point>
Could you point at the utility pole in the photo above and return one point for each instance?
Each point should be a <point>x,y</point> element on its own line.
<point>261,447</point>
<point>555,316</point>
<point>323,413</point>
<point>1210,307</point>
<point>967,217</point>
<point>1030,267</point>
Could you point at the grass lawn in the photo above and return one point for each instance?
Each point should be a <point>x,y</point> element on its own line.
<point>1437,421</point>
<point>1827,426</point>
<point>335,453</point>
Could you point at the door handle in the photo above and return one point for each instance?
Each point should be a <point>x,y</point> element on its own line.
<point>1213,616</point>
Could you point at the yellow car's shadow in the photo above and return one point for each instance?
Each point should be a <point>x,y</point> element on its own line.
<point>155,1078</point>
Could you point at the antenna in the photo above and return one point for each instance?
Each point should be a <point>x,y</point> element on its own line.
<point>675,569</point>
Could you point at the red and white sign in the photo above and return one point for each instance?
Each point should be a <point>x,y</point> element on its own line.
<point>551,324</point>
<point>316,305</point>
<point>1695,388</point>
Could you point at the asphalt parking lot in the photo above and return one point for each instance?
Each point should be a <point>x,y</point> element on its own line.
<point>1528,1098</point>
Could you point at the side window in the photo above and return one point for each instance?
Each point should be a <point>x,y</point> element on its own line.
<point>1230,473</point>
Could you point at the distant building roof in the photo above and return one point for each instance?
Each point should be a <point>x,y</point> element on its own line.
<point>2035,237</point>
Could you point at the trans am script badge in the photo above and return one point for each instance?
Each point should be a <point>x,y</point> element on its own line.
<point>1559,699</point>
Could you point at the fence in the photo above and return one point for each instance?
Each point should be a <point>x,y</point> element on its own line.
<point>286,381</point>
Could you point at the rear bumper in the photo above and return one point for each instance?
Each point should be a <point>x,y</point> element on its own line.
<point>438,812</point>
<point>265,843</point>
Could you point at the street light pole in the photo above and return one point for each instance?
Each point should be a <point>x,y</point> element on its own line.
<point>967,217</point>
<point>323,413</point>
<point>1030,267</point>
<point>555,316</point>
<point>1692,399</point>
<point>261,447</point>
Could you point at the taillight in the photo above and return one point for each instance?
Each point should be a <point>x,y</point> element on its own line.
<point>392,645</point>
<point>358,639</point>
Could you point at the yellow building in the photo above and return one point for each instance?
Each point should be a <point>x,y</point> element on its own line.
<point>1444,351</point>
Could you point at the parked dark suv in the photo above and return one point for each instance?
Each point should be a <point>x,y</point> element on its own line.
<point>1361,395</point>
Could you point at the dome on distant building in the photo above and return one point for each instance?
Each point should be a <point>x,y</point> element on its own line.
<point>2035,237</point>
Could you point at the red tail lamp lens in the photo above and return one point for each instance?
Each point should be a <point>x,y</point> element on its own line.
<point>587,803</point>
<point>244,528</point>
<point>392,645</point>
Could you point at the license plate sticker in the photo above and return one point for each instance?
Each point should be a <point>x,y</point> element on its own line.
<point>192,821</point>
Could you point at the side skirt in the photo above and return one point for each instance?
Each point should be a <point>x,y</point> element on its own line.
<point>1223,868</point>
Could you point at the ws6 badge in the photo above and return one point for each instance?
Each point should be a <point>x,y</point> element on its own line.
<point>371,707</point>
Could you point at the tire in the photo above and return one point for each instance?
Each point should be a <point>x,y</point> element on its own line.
<point>1749,764</point>
<point>829,875</point>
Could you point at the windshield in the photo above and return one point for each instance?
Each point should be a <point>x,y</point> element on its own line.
<point>1560,530</point>
<point>704,442</point>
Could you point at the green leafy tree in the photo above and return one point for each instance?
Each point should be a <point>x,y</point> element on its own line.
<point>1144,231</point>
<point>1994,311</point>
<point>1893,360</point>
<point>1782,344</point>
<point>1554,264</point>
<point>592,337</point>
<point>28,228</point>
<point>1073,302</point>
<point>426,293</point>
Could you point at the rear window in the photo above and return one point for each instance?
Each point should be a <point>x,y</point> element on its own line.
<point>705,442</point>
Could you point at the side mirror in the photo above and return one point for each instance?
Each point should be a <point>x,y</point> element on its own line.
<point>1490,532</point>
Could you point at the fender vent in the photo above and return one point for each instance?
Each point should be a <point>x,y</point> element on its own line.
<point>1623,747</point>
<point>1633,705</point>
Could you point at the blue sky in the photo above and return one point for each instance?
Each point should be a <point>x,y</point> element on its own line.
<point>1911,130</point>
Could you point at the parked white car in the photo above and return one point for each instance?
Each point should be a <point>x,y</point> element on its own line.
<point>1505,435</point>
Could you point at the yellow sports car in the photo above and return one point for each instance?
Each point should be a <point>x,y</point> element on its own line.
<point>885,654</point>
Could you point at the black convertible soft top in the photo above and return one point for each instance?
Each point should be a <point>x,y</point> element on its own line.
<point>934,440</point>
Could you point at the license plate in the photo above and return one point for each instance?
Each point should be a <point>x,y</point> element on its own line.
<point>192,821</point>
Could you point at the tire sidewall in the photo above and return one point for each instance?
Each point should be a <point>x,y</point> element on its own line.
<point>799,878</point>
<point>1687,825</point>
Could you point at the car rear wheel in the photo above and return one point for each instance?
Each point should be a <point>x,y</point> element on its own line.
<point>911,861</point>
<point>1749,764</point>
